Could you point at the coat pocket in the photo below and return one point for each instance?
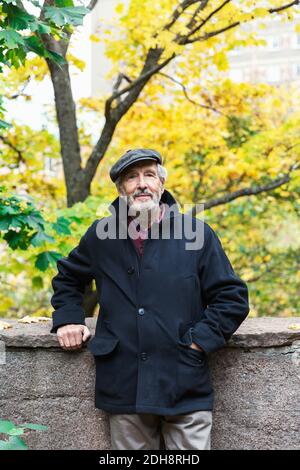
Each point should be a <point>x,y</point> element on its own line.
<point>191,355</point>
<point>106,349</point>
<point>102,345</point>
<point>188,354</point>
<point>193,378</point>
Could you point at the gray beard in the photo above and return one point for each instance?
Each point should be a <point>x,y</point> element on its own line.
<point>144,213</point>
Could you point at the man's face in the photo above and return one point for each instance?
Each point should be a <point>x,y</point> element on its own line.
<point>142,186</point>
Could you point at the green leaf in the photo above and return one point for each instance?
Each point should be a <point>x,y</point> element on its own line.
<point>14,443</point>
<point>64,3</point>
<point>55,57</point>
<point>75,219</point>
<point>35,45</point>
<point>11,39</point>
<point>35,427</point>
<point>62,226</point>
<point>4,124</point>
<point>15,57</point>
<point>16,432</point>
<point>5,445</point>
<point>37,282</point>
<point>64,16</point>
<point>5,222</point>
<point>17,240</point>
<point>17,443</point>
<point>8,209</point>
<point>40,238</point>
<point>35,220</point>
<point>43,28</point>
<point>18,19</point>
<point>46,258</point>
<point>6,426</point>
<point>18,221</point>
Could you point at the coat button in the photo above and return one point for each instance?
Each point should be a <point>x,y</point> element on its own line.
<point>130,270</point>
<point>141,311</point>
<point>144,356</point>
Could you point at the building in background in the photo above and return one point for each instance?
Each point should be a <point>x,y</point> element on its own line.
<point>100,19</point>
<point>275,63</point>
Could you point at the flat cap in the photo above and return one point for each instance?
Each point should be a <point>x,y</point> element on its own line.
<point>131,157</point>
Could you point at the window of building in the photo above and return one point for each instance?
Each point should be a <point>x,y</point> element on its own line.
<point>273,42</point>
<point>286,73</point>
<point>273,74</point>
<point>296,70</point>
<point>296,41</point>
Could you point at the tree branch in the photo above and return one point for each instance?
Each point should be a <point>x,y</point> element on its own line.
<point>228,186</point>
<point>179,10</point>
<point>284,7</point>
<point>214,12</point>
<point>182,40</point>
<point>118,82</point>
<point>143,77</point>
<point>92,4</point>
<point>193,20</point>
<point>211,34</point>
<point>21,92</point>
<point>14,148</point>
<point>114,115</point>
<point>205,106</point>
<point>245,192</point>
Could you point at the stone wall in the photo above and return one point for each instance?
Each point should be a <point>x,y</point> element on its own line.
<point>256,379</point>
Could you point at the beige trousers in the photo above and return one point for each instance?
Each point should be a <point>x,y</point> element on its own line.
<point>143,431</point>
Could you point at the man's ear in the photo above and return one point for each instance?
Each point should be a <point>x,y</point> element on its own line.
<point>120,190</point>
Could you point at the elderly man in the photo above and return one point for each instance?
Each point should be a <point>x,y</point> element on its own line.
<point>167,301</point>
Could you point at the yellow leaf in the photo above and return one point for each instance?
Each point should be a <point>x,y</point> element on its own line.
<point>119,8</point>
<point>4,325</point>
<point>29,319</point>
<point>94,38</point>
<point>260,12</point>
<point>294,326</point>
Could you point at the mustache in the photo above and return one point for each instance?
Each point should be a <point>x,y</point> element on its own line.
<point>140,193</point>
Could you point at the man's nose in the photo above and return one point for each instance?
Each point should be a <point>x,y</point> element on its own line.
<point>141,182</point>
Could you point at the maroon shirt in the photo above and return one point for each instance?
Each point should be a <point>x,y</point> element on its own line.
<point>139,242</point>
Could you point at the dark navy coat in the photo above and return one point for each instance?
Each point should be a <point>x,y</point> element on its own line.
<point>151,310</point>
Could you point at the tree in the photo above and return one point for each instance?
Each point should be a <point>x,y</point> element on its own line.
<point>233,147</point>
<point>21,31</point>
<point>21,223</point>
<point>190,27</point>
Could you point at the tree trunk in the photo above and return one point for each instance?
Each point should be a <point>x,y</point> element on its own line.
<point>68,133</point>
